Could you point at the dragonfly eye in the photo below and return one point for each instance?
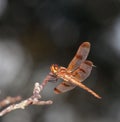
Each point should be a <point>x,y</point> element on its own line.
<point>54,68</point>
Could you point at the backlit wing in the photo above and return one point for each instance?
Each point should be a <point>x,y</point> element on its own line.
<point>83,71</point>
<point>64,87</point>
<point>81,74</point>
<point>80,56</point>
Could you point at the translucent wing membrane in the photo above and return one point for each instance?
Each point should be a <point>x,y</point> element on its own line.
<point>80,56</point>
<point>64,87</point>
<point>78,70</point>
<point>83,71</point>
<point>81,74</point>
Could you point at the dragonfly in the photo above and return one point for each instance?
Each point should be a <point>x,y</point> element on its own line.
<point>76,72</point>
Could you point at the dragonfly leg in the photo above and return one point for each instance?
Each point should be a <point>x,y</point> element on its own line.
<point>53,78</point>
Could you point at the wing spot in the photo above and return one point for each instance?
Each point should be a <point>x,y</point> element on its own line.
<point>85,44</point>
<point>89,63</point>
<point>57,91</point>
<point>79,57</point>
<point>65,84</point>
<point>75,73</point>
<point>82,70</point>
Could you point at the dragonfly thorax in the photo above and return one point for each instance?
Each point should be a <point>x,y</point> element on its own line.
<point>55,69</point>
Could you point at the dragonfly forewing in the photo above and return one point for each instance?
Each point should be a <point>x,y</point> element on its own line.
<point>80,56</point>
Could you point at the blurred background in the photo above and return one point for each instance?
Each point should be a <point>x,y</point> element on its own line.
<point>37,33</point>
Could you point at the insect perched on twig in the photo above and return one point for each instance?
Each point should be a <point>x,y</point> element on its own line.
<point>76,72</point>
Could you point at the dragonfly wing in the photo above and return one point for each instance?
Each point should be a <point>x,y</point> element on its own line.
<point>80,56</point>
<point>83,71</point>
<point>64,87</point>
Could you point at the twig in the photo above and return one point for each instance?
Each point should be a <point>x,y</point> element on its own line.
<point>33,100</point>
<point>9,100</point>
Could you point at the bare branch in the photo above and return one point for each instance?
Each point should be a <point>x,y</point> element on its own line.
<point>9,100</point>
<point>33,100</point>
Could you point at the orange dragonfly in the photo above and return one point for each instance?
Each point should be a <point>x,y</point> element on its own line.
<point>76,72</point>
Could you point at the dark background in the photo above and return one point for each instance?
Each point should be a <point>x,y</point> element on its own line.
<point>37,33</point>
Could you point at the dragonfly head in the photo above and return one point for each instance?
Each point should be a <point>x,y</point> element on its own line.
<point>54,68</point>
